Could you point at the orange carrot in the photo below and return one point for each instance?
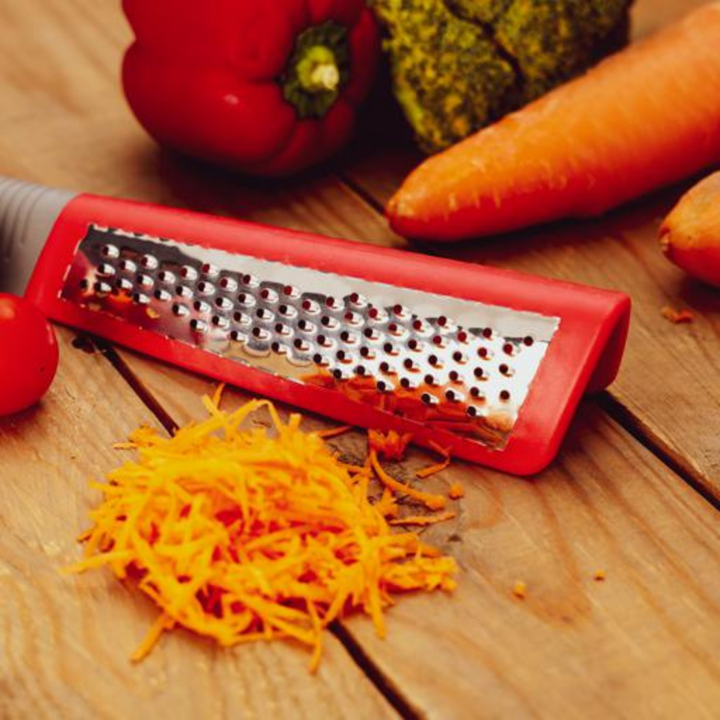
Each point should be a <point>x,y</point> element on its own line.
<point>644,118</point>
<point>690,235</point>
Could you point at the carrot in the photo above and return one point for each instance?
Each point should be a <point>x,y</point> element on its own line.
<point>690,235</point>
<point>644,118</point>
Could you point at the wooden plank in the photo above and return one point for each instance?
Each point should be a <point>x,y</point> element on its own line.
<point>667,384</point>
<point>574,642</point>
<point>65,641</point>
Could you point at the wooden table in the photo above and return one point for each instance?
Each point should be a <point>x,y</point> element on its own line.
<point>635,491</point>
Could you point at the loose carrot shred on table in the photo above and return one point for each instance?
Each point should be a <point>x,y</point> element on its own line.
<point>433,502</point>
<point>437,467</point>
<point>456,491</point>
<point>520,589</point>
<point>390,445</point>
<point>334,432</point>
<point>244,534</point>
<point>424,519</point>
<point>677,317</point>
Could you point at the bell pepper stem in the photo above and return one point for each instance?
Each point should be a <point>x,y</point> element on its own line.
<point>318,70</point>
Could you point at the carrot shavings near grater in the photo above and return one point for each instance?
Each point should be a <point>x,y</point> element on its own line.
<point>486,362</point>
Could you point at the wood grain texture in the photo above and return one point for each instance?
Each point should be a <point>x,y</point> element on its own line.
<point>641,644</point>
<point>668,380</point>
<point>65,642</point>
<point>575,647</point>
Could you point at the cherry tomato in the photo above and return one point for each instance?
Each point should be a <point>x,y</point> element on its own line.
<point>28,354</point>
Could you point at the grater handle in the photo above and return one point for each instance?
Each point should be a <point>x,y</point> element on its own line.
<point>28,213</point>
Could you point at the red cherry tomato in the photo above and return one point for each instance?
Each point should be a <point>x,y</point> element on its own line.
<point>28,354</point>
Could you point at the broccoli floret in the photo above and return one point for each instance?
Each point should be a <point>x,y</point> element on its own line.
<point>458,65</point>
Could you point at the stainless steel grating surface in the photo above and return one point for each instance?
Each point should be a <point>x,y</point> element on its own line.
<point>463,366</point>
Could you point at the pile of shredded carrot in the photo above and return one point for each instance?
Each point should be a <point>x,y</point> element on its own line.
<point>249,534</point>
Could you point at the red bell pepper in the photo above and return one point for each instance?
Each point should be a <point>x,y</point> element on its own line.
<point>267,86</point>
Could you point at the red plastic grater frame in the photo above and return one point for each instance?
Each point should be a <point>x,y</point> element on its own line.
<point>583,356</point>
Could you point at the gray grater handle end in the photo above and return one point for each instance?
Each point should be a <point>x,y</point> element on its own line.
<point>28,213</point>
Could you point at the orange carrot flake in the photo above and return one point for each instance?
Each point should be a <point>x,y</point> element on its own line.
<point>456,491</point>
<point>243,535</point>
<point>390,445</point>
<point>677,317</point>
<point>424,519</point>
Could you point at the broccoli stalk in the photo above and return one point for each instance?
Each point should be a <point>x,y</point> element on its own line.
<point>458,65</point>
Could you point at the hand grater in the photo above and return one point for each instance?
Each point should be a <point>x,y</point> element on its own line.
<point>486,362</point>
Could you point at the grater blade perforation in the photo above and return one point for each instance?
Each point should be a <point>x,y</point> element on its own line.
<point>426,357</point>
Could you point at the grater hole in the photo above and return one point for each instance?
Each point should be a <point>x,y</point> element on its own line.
<point>167,277</point>
<point>453,396</point>
<point>250,280</point>
<point>472,411</point>
<point>237,336</point>
<point>508,348</point>
<point>125,285</point>
<point>528,341</point>
<point>429,380</point>
<point>187,272</point>
<point>84,284</point>
<point>385,367</point>
<point>110,251</point>
<point>150,262</point>
<point>434,360</point>
<point>179,310</point>
<point>418,325</point>
<point>442,321</point>
<point>479,373</point>
<point>408,364</point>
<point>487,333</point>
<point>201,306</point>
<point>140,298</point>
<point>429,398</point>
<point>127,266</point>
<point>458,357</point>
<point>360,370</point>
<point>205,288</point>
<point>269,295</point>
<point>358,300</point>
<point>290,291</point>
<point>504,395</point>
<point>483,353</point>
<point>413,344</point>
<point>209,270</point>
<point>162,295</point>
<point>454,376</point>
<point>228,283</point>
<point>198,326</point>
<point>476,393</point>
<point>505,370</point>
<point>366,352</point>
<point>106,270</point>
<point>462,336</point>
<point>102,288</point>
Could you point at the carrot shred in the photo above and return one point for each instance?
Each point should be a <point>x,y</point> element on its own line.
<point>390,445</point>
<point>424,519</point>
<point>433,502</point>
<point>437,467</point>
<point>677,317</point>
<point>243,535</point>
<point>456,491</point>
<point>334,432</point>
